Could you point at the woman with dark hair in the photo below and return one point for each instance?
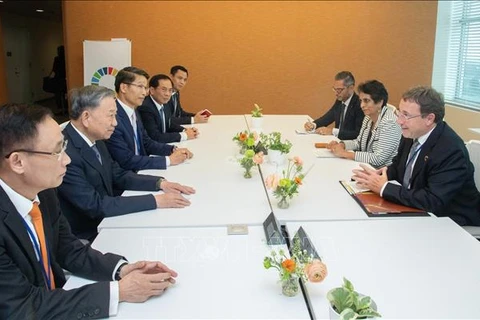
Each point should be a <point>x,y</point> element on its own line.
<point>380,134</point>
<point>58,73</point>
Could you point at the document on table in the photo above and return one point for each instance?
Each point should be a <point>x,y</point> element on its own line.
<point>303,131</point>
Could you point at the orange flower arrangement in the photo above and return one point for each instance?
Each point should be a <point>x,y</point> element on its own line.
<point>246,140</point>
<point>299,266</point>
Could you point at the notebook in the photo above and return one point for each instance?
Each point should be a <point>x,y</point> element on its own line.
<point>376,206</point>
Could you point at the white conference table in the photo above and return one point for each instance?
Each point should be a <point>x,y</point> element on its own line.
<point>224,197</point>
<point>321,197</point>
<point>220,276</point>
<point>412,268</point>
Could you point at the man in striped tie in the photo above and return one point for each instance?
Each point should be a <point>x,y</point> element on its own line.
<point>36,243</point>
<point>432,170</point>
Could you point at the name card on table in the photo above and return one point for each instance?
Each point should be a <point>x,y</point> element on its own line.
<point>273,233</point>
<point>306,245</point>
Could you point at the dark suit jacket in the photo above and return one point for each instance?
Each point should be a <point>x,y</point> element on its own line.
<point>23,293</point>
<point>122,145</point>
<point>153,123</point>
<point>442,178</point>
<point>351,123</point>
<point>86,194</point>
<point>180,116</point>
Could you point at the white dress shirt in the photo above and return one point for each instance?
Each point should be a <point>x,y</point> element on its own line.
<point>421,140</point>
<point>160,108</point>
<point>131,114</point>
<point>24,206</point>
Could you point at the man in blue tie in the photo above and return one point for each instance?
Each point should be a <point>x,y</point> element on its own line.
<point>130,144</point>
<point>33,162</point>
<point>156,114</point>
<point>345,112</point>
<point>432,170</point>
<point>92,181</point>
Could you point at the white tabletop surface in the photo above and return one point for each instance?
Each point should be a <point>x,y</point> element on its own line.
<point>412,268</point>
<point>224,197</point>
<point>219,276</point>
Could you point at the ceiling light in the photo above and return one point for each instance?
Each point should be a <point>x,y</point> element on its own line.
<point>39,10</point>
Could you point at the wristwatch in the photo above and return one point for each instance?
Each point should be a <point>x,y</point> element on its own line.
<point>117,274</point>
<point>159,183</point>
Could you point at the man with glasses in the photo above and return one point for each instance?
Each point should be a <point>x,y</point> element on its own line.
<point>432,170</point>
<point>130,144</point>
<point>157,116</point>
<point>345,112</point>
<point>36,243</point>
<point>87,194</point>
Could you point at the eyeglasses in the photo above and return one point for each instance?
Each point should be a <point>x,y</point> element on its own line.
<point>338,90</point>
<point>141,86</point>
<point>56,154</point>
<point>405,117</point>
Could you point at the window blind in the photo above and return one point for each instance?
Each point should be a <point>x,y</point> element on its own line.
<point>457,53</point>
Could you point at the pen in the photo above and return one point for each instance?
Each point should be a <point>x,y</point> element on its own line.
<point>310,124</point>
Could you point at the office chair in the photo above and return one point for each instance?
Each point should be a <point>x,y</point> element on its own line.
<point>473,147</point>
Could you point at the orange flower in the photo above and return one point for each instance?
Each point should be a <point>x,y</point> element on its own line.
<point>289,265</point>
<point>316,271</point>
<point>298,180</point>
<point>242,136</point>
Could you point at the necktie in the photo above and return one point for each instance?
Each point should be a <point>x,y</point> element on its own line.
<point>97,153</point>
<point>38,225</point>
<point>342,116</point>
<point>162,117</point>
<point>409,167</point>
<point>135,134</point>
<point>175,101</point>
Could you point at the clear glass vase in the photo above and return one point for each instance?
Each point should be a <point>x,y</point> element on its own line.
<point>248,173</point>
<point>283,203</point>
<point>290,287</point>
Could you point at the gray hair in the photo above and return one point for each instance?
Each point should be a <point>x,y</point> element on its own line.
<point>88,97</point>
<point>347,77</point>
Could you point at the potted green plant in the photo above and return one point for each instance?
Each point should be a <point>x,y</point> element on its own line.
<point>257,117</point>
<point>347,304</point>
<point>277,149</point>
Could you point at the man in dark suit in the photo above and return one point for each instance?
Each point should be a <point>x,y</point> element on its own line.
<point>179,76</point>
<point>157,115</point>
<point>432,170</point>
<point>130,144</point>
<point>87,192</point>
<point>36,243</point>
<point>345,112</point>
